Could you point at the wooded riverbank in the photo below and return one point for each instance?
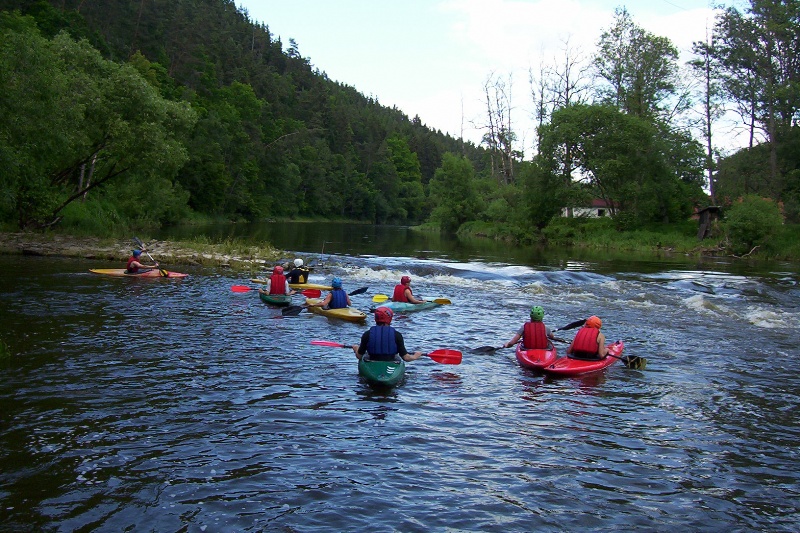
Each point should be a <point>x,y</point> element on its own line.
<point>231,255</point>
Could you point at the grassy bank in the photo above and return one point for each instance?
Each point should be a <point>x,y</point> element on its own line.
<point>604,234</point>
<point>230,253</point>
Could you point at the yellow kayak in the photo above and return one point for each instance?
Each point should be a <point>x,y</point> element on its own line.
<point>351,314</point>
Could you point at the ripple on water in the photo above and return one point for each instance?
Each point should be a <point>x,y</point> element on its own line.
<point>168,407</point>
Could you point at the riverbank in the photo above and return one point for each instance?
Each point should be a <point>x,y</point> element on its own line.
<point>232,255</point>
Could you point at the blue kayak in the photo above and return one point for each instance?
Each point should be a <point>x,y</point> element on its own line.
<point>404,307</point>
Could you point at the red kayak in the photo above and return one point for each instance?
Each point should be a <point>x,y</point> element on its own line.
<point>536,359</point>
<point>568,366</point>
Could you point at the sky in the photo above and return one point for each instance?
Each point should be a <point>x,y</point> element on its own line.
<point>432,58</point>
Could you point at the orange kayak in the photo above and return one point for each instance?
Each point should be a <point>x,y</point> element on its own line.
<point>153,273</point>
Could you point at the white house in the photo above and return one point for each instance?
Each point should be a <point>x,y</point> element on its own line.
<point>599,208</point>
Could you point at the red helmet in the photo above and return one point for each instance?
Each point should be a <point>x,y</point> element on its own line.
<point>404,280</point>
<point>278,270</point>
<point>383,315</point>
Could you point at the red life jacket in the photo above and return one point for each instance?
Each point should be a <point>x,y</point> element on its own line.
<point>277,284</point>
<point>534,336</point>
<point>585,343</point>
<point>400,293</point>
<point>129,268</point>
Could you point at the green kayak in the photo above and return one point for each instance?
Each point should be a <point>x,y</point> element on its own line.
<point>382,373</point>
<point>275,299</point>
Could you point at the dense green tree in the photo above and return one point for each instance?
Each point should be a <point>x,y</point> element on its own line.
<point>626,160</point>
<point>411,194</point>
<point>74,121</point>
<point>274,137</point>
<point>453,193</point>
<point>751,221</point>
<point>757,51</point>
<point>639,68</point>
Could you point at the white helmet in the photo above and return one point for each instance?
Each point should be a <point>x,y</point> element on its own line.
<point>298,262</point>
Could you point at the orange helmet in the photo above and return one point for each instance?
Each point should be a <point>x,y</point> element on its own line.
<point>594,322</point>
<point>277,270</point>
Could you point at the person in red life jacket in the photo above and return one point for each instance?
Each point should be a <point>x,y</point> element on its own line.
<point>589,342</point>
<point>382,342</point>
<point>403,293</point>
<point>135,267</point>
<point>534,334</point>
<point>277,283</point>
<point>336,299</point>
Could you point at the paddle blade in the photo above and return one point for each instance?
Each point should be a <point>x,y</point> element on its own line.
<point>486,349</point>
<point>442,301</point>
<point>330,344</point>
<point>446,357</point>
<point>635,362</point>
<point>311,293</point>
<point>292,310</point>
<point>362,290</point>
<point>573,325</point>
<point>378,298</point>
<point>164,272</point>
<point>241,288</point>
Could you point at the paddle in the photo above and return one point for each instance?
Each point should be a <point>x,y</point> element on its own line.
<point>308,293</point>
<point>378,298</point>
<point>631,361</point>
<point>292,310</point>
<point>443,356</point>
<point>572,325</point>
<point>487,349</point>
<point>139,243</point>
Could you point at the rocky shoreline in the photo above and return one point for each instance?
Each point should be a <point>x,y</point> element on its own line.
<point>239,256</point>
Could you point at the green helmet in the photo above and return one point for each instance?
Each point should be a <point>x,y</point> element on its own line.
<point>537,313</point>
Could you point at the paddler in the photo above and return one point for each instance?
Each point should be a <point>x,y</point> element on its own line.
<point>277,283</point>
<point>336,299</point>
<point>534,334</point>
<point>382,342</point>
<point>135,267</point>
<point>403,292</point>
<point>589,342</point>
<point>299,274</point>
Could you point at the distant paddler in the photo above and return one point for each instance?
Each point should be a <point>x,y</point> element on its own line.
<point>299,274</point>
<point>403,292</point>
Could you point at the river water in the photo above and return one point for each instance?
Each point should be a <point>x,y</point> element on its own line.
<point>178,405</point>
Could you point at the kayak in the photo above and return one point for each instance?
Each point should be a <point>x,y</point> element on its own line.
<point>275,299</point>
<point>154,273</point>
<point>351,314</point>
<point>536,359</point>
<point>300,286</point>
<point>382,373</point>
<point>405,307</point>
<point>569,366</point>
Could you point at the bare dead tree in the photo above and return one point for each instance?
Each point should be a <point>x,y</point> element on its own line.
<point>499,136</point>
